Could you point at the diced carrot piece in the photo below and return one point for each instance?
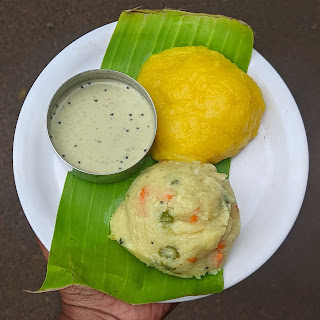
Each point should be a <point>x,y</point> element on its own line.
<point>221,245</point>
<point>193,219</point>
<point>218,257</point>
<point>192,260</point>
<point>142,197</point>
<point>168,196</point>
<point>143,194</point>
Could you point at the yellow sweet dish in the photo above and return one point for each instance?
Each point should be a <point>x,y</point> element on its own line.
<point>208,109</point>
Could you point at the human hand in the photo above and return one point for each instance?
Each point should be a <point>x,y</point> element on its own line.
<point>80,302</point>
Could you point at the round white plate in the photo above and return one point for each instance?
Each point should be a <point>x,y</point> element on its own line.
<point>269,176</point>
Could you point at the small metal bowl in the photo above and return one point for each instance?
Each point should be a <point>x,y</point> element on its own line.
<point>98,74</point>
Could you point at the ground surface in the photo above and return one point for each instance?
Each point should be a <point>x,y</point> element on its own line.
<point>287,34</point>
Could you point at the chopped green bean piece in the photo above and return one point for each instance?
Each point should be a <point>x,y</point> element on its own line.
<point>167,267</point>
<point>166,218</point>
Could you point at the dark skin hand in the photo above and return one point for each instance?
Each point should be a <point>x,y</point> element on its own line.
<point>83,303</point>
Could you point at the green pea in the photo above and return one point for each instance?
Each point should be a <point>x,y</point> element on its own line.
<point>169,253</point>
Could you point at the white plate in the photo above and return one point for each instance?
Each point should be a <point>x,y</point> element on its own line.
<point>269,176</point>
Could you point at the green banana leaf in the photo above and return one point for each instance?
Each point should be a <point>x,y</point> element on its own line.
<point>80,251</point>
<point>141,33</point>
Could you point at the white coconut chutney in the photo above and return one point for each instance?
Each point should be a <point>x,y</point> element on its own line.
<point>102,126</point>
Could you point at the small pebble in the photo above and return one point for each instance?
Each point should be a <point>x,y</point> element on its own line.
<point>50,25</point>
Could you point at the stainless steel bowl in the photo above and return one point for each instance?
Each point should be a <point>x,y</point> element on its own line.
<point>94,75</point>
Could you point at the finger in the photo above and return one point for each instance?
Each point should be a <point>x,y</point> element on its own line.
<point>45,252</point>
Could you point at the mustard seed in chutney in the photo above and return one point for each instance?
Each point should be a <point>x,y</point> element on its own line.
<point>87,126</point>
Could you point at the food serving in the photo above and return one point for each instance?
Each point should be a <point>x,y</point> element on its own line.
<point>183,218</point>
<point>179,217</point>
<point>80,253</point>
<point>208,109</point>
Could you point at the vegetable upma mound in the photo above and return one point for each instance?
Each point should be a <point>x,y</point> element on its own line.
<point>179,217</point>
